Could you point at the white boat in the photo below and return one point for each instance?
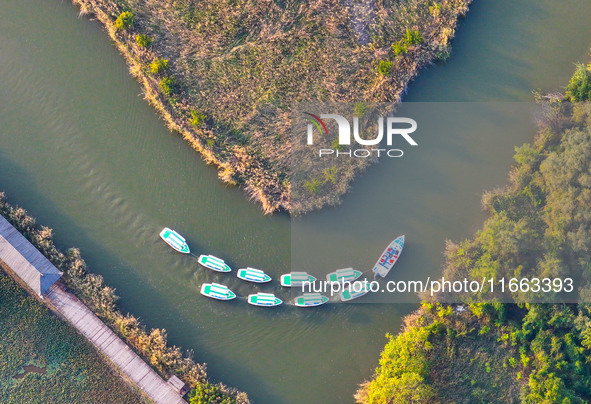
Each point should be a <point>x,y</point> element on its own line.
<point>343,275</point>
<point>175,240</point>
<point>388,258</point>
<point>253,275</point>
<point>357,289</point>
<point>217,291</point>
<point>214,263</point>
<point>264,300</point>
<point>310,300</point>
<point>296,279</point>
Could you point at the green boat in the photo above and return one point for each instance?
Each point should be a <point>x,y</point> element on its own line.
<point>296,279</point>
<point>253,275</point>
<point>175,240</point>
<point>217,291</point>
<point>356,290</point>
<point>343,275</point>
<point>264,300</point>
<point>214,263</point>
<point>310,300</point>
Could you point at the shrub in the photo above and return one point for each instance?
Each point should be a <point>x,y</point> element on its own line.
<point>197,118</point>
<point>167,85</point>
<point>435,9</point>
<point>385,67</point>
<point>413,37</point>
<point>124,21</point>
<point>143,40</point>
<point>330,174</point>
<point>208,393</point>
<point>361,109</point>
<point>159,65</point>
<point>399,48</point>
<point>313,186</point>
<point>579,87</point>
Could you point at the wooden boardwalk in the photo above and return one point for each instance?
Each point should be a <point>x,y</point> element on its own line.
<point>41,276</point>
<point>85,321</point>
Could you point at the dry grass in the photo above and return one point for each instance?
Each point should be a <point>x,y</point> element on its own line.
<point>243,63</point>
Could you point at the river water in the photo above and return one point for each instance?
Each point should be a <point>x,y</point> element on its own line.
<point>85,154</point>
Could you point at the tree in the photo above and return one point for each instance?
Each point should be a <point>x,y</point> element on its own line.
<point>206,393</point>
<point>579,87</point>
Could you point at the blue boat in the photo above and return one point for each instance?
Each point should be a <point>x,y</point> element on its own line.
<point>388,258</point>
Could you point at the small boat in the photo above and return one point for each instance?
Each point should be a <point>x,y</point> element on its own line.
<point>296,279</point>
<point>310,300</point>
<point>253,275</point>
<point>175,240</point>
<point>388,258</point>
<point>215,263</point>
<point>264,300</point>
<point>343,275</point>
<point>356,290</point>
<point>217,291</point>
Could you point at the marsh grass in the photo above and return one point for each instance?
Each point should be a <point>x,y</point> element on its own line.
<point>74,371</point>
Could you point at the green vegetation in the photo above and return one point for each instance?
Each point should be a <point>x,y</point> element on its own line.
<point>400,48</point>
<point>412,38</point>
<point>124,21</point>
<point>385,67</point>
<point>244,66</point>
<point>539,226</point>
<point>528,353</point>
<point>167,85</point>
<point>313,186</point>
<point>159,65</point>
<point>101,299</point>
<point>143,40</point>
<point>197,118</point>
<point>579,87</point>
<point>209,394</point>
<point>75,372</point>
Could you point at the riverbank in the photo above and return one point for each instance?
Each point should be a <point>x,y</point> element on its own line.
<point>43,359</point>
<point>101,299</point>
<point>539,226</point>
<point>226,77</point>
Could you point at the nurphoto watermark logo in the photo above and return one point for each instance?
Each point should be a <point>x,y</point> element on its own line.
<point>389,127</point>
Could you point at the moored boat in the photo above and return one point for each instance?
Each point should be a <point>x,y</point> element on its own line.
<point>343,275</point>
<point>253,275</point>
<point>296,279</point>
<point>388,258</point>
<point>264,300</point>
<point>214,263</point>
<point>357,289</point>
<point>217,291</point>
<point>310,300</point>
<point>175,240</point>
